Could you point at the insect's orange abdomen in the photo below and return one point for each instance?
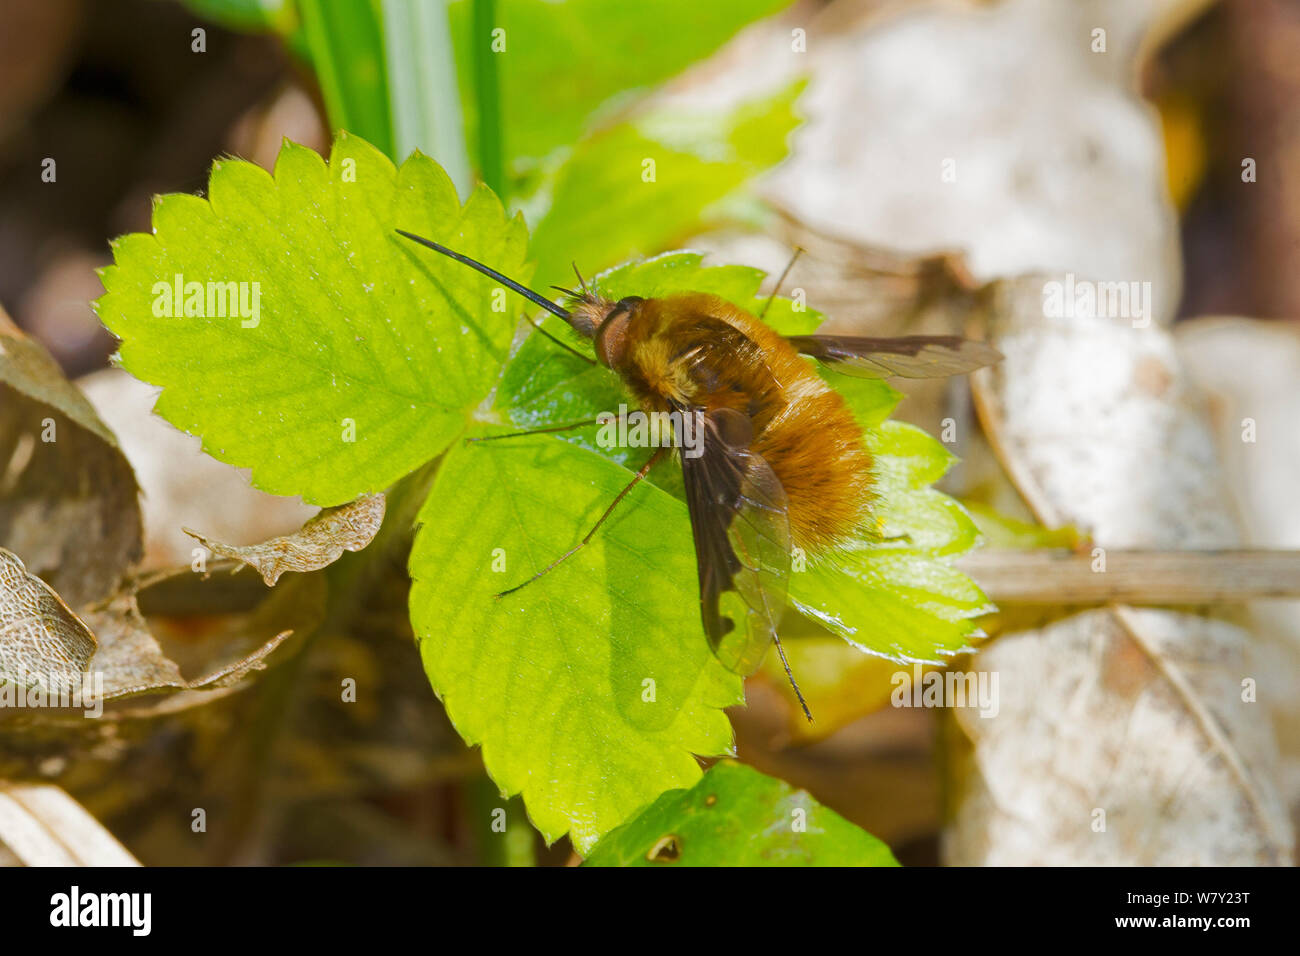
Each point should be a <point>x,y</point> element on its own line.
<point>814,446</point>
<point>816,450</point>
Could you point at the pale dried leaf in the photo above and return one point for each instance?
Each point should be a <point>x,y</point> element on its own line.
<point>317,544</point>
<point>42,642</point>
<point>179,483</point>
<point>1250,369</point>
<point>1137,715</point>
<point>40,825</point>
<point>1250,372</point>
<point>1098,427</point>
<point>1056,173</point>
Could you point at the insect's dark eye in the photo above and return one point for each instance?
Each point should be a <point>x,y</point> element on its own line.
<point>611,335</point>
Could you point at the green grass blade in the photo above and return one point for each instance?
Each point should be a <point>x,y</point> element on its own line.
<point>422,86</point>
<point>343,38</point>
<point>487,91</point>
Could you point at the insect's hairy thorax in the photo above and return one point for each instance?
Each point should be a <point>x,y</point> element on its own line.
<point>691,350</point>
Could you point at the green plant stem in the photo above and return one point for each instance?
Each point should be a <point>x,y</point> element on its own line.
<point>487,91</point>
<point>515,845</point>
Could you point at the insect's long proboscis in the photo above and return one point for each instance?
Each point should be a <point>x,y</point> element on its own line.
<point>527,293</point>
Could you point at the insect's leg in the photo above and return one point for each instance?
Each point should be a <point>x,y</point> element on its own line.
<point>552,428</point>
<point>798,251</point>
<point>790,676</point>
<point>636,479</point>
<point>562,344</point>
<point>537,431</point>
<point>582,283</point>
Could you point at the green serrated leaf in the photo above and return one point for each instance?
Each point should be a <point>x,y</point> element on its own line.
<point>899,596</point>
<point>633,189</point>
<point>736,816</point>
<point>367,352</point>
<point>1003,531</point>
<point>590,689</point>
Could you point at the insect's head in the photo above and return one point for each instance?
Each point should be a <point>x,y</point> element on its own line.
<point>602,320</point>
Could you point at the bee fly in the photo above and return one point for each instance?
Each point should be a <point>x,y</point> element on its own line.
<point>782,462</point>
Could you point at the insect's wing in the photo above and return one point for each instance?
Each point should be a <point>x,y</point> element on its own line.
<point>908,356</point>
<point>742,537</point>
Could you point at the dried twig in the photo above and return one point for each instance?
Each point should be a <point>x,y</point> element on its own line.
<point>1133,577</point>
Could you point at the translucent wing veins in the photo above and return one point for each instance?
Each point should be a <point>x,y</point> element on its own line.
<point>742,537</point>
<point>908,356</point>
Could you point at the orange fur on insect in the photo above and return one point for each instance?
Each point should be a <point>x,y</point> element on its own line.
<point>699,350</point>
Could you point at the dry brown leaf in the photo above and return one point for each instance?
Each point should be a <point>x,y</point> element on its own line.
<point>42,642</point>
<point>133,663</point>
<point>318,543</point>
<point>112,653</point>
<point>68,497</point>
<point>162,685</point>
